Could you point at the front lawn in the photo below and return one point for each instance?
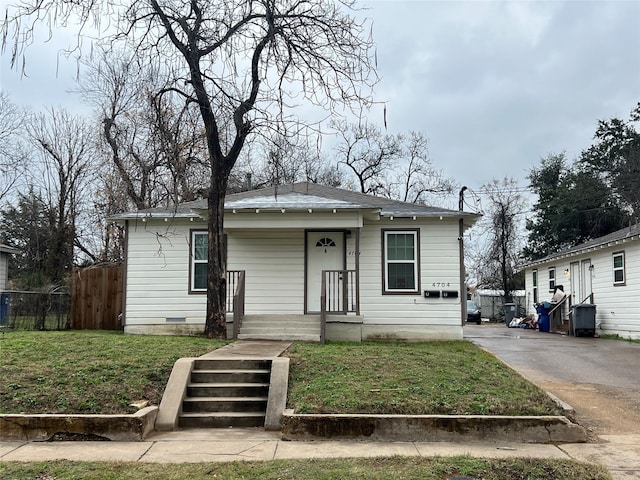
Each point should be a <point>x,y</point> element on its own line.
<point>449,378</point>
<point>88,371</point>
<point>103,372</point>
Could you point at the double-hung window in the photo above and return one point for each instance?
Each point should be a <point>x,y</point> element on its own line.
<point>552,279</point>
<point>400,261</point>
<point>199,256</point>
<point>535,285</point>
<point>618,268</point>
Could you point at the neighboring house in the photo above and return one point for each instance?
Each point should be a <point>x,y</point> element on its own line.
<point>604,272</point>
<point>394,269</point>
<point>5,251</point>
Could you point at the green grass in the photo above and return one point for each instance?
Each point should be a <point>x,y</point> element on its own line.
<point>103,372</point>
<point>88,371</point>
<point>610,336</point>
<point>393,468</point>
<point>450,378</point>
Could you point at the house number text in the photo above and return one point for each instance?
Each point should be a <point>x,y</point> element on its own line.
<point>441,284</point>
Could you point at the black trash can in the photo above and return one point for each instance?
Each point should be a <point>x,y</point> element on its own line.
<point>509,312</point>
<point>583,320</point>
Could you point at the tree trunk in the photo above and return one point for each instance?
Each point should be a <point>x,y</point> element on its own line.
<point>215,323</point>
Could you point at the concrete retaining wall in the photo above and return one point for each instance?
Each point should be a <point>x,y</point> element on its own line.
<point>433,428</point>
<point>122,428</point>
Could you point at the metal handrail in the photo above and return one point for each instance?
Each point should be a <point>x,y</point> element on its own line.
<point>238,304</point>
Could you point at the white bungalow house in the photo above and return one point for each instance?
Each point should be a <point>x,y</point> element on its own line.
<point>304,261</point>
<point>604,272</point>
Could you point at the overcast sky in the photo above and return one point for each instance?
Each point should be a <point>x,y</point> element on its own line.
<point>495,86</point>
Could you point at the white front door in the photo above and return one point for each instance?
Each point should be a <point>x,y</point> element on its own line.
<point>574,277</point>
<point>586,280</point>
<point>325,251</point>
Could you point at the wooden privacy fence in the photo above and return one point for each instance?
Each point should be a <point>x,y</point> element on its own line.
<point>96,298</point>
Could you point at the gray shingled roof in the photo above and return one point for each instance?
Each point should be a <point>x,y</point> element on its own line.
<point>303,196</point>
<point>7,249</point>
<point>632,232</point>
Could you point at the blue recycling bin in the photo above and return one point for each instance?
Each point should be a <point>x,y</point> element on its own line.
<point>544,323</point>
<point>4,308</point>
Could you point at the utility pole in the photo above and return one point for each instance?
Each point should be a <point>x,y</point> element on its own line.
<point>463,285</point>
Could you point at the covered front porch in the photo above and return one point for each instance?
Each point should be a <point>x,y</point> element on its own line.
<point>339,317</point>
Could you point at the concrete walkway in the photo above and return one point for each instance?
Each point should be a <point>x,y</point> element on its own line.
<point>250,349</point>
<point>191,446</point>
<point>621,454</point>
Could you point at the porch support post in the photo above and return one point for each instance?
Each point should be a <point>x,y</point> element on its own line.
<point>357,265</point>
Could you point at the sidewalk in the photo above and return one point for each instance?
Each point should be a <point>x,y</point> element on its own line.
<point>199,445</point>
<point>621,455</point>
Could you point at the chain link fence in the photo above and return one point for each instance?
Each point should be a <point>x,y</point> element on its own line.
<point>35,310</point>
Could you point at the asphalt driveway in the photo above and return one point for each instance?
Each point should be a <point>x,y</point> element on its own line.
<point>599,378</point>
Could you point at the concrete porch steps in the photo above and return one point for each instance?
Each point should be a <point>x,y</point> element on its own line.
<point>281,327</point>
<point>223,393</point>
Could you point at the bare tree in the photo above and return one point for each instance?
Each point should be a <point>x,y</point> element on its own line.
<point>12,153</point>
<point>280,159</point>
<point>500,232</point>
<point>65,145</point>
<point>154,143</point>
<point>416,179</point>
<point>242,63</point>
<point>394,166</point>
<point>367,153</point>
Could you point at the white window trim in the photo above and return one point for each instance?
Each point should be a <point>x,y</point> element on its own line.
<point>415,261</point>
<point>194,262</point>
<point>534,282</point>
<point>614,269</point>
<point>552,281</point>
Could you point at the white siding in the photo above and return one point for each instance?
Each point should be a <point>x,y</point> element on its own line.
<point>274,264</point>
<point>439,270</point>
<point>617,306</point>
<point>157,281</point>
<point>4,258</point>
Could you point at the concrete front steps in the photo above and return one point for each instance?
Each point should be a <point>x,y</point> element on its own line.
<point>304,328</point>
<point>224,393</point>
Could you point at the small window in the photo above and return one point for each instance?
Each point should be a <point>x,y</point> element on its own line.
<point>199,260</point>
<point>325,242</point>
<point>618,268</point>
<point>400,261</point>
<point>552,279</point>
<point>535,285</point>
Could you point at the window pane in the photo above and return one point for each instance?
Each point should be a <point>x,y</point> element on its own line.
<point>535,278</point>
<point>618,261</point>
<point>200,276</point>
<point>400,276</point>
<point>200,246</point>
<point>400,247</point>
<point>618,276</point>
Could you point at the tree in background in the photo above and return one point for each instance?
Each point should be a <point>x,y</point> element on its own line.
<point>242,64</point>
<point>497,257</point>
<point>573,205</point>
<point>394,166</point>
<point>29,228</point>
<point>615,160</point>
<point>13,157</point>
<point>153,145</point>
<point>66,151</point>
